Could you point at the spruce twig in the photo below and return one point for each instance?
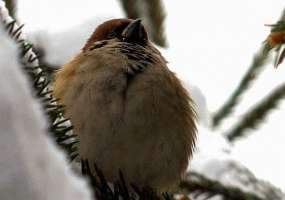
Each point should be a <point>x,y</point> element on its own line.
<point>152,13</point>
<point>200,186</point>
<point>254,70</point>
<point>59,126</point>
<point>120,190</point>
<point>257,114</point>
<point>48,68</point>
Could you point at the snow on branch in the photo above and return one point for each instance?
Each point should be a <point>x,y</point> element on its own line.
<point>255,68</point>
<point>59,126</point>
<point>31,166</point>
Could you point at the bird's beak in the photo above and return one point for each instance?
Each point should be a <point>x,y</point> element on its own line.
<point>133,32</point>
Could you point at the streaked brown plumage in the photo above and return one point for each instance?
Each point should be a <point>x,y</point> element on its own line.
<point>129,110</point>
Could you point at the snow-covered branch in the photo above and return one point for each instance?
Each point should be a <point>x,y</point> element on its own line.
<point>31,166</point>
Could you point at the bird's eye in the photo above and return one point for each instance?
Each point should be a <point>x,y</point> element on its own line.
<point>111,34</point>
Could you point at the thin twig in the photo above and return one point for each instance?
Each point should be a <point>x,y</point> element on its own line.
<point>257,114</point>
<point>202,186</point>
<point>254,70</point>
<point>59,127</point>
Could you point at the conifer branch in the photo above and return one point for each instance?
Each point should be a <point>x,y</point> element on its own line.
<point>152,13</point>
<point>59,126</point>
<point>120,190</point>
<point>257,114</point>
<point>205,188</point>
<point>254,70</point>
<point>62,131</point>
<point>199,187</point>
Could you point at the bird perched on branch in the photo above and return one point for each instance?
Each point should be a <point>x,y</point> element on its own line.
<point>128,109</point>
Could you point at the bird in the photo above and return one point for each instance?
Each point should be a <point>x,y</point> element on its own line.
<point>129,111</point>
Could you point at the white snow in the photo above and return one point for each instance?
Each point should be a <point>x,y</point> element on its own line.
<point>213,158</point>
<point>31,166</point>
<point>67,42</point>
<point>200,101</point>
<point>211,44</point>
<point>56,16</point>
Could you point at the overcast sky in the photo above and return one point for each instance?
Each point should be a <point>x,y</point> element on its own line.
<point>211,43</point>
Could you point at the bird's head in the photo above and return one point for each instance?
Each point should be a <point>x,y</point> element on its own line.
<point>124,30</point>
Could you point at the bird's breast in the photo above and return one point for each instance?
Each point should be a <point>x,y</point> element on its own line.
<point>144,126</point>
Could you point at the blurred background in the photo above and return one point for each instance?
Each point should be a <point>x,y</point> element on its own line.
<point>209,44</point>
